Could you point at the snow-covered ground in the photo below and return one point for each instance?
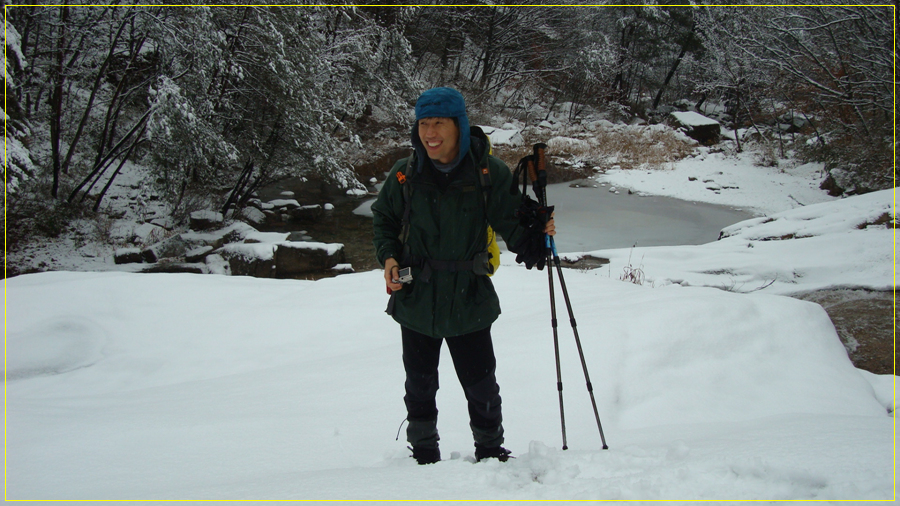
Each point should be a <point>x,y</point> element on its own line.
<point>180,386</point>
<point>731,180</point>
<point>803,239</point>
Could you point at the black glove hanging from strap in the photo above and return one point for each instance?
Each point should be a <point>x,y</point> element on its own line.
<point>531,249</point>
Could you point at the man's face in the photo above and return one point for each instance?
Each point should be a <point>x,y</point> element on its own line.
<point>440,137</point>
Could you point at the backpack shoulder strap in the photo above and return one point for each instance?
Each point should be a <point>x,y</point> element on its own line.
<point>484,171</point>
<point>484,175</point>
<point>406,191</point>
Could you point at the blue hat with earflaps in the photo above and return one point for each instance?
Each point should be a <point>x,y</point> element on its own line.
<point>445,103</point>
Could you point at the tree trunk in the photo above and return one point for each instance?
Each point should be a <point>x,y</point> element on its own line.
<point>669,76</point>
<point>737,123</point>
<point>98,81</point>
<point>101,165</point>
<point>118,169</point>
<point>56,101</point>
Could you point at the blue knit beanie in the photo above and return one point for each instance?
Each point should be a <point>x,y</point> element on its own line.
<point>445,103</point>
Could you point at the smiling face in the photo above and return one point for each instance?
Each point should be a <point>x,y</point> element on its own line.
<point>440,137</point>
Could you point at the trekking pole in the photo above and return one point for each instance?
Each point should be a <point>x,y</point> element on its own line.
<point>533,176</point>
<point>541,179</point>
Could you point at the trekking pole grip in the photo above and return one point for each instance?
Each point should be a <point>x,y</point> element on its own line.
<point>540,161</point>
<point>540,151</point>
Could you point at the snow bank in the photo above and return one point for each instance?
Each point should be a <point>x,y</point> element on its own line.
<point>810,248</point>
<point>177,386</point>
<point>845,215</point>
<point>729,180</point>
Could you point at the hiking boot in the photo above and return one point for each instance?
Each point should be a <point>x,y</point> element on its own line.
<point>495,452</point>
<point>425,455</point>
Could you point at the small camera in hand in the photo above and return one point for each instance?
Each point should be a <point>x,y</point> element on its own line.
<point>405,276</point>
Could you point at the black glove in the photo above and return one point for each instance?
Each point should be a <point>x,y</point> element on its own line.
<point>531,249</point>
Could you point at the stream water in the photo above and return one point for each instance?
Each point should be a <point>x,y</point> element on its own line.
<point>588,217</point>
<point>591,217</point>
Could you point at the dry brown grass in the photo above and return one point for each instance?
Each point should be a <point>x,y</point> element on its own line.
<point>646,148</point>
<point>576,157</point>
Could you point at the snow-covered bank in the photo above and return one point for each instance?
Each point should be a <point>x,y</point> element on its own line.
<point>131,386</point>
<point>842,244</point>
<point>729,180</point>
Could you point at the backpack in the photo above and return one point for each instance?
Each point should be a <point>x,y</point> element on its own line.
<point>480,264</point>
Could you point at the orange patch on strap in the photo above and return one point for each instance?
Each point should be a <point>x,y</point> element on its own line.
<point>401,177</point>
<point>485,170</point>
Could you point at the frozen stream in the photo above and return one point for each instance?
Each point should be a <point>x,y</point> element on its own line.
<point>591,218</point>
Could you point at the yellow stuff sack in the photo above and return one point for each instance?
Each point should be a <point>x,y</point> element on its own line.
<point>494,249</point>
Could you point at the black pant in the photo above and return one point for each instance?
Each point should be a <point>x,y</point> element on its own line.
<point>475,364</point>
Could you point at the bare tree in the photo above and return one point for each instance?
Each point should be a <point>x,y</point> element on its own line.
<point>837,63</point>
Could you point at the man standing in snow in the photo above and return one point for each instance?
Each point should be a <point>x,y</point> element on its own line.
<point>432,217</point>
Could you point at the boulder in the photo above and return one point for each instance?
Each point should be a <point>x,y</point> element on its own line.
<point>292,258</point>
<point>272,218</point>
<point>177,267</point>
<point>165,223</point>
<point>831,186</point>
<point>253,216</point>
<point>265,237</point>
<point>310,212</point>
<point>206,220</point>
<point>128,256</point>
<point>218,265</point>
<point>706,131</point>
<point>236,232</point>
<point>148,233</point>
<point>284,205</point>
<point>172,247</point>
<point>789,123</point>
<point>198,254</point>
<point>844,182</point>
<point>299,236</point>
<point>257,260</point>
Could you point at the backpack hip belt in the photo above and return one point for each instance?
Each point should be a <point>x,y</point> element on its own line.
<point>480,265</point>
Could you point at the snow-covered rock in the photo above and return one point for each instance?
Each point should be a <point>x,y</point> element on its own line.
<point>174,246</point>
<point>697,126</point>
<point>216,264</point>
<point>292,258</point>
<point>255,259</point>
<point>235,232</point>
<point>127,256</point>
<point>503,136</point>
<point>253,216</point>
<point>198,254</point>
<point>165,223</point>
<point>205,220</point>
<point>284,204</point>
<point>307,212</point>
<point>148,233</point>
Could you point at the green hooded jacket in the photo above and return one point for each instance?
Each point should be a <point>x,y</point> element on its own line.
<point>446,223</point>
